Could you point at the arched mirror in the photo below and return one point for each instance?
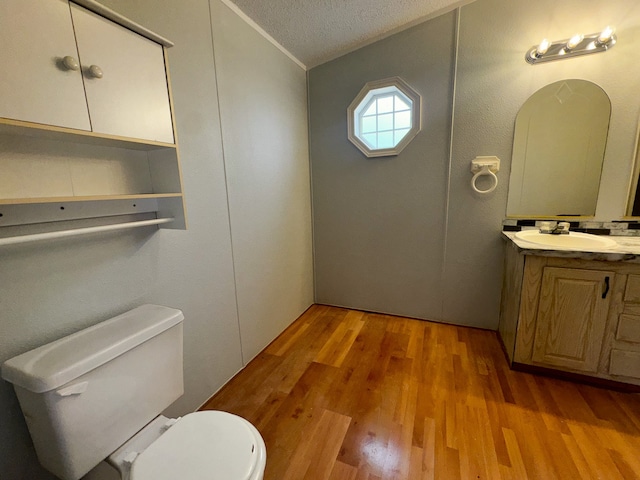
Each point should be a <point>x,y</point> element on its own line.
<point>558,150</point>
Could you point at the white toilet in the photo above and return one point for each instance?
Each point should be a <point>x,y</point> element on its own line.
<point>97,394</point>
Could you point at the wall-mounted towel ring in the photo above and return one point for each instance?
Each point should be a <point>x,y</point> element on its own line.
<point>484,171</point>
<point>481,166</point>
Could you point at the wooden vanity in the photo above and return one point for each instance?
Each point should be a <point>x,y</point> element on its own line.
<point>573,313</point>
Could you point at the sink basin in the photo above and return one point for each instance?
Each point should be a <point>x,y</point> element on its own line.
<point>574,240</point>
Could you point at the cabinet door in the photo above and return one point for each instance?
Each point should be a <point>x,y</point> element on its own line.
<point>131,99</point>
<point>35,85</point>
<point>572,316</point>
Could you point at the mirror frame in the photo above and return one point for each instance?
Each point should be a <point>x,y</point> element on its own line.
<point>634,181</point>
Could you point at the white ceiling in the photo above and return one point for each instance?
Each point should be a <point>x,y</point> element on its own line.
<point>315,31</point>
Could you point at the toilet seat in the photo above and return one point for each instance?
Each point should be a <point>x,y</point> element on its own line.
<point>204,445</point>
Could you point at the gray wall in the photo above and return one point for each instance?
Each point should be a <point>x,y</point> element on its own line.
<point>268,178</point>
<point>53,289</point>
<point>439,256</point>
<point>492,84</point>
<point>379,223</point>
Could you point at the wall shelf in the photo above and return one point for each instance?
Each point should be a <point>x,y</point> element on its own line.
<point>62,175</point>
<point>63,134</point>
<point>87,198</point>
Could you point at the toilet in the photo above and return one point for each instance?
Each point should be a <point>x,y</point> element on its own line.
<point>97,395</point>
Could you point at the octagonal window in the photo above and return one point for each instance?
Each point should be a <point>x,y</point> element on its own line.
<point>384,117</point>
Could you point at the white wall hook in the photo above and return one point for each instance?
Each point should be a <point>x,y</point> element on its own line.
<point>485,165</point>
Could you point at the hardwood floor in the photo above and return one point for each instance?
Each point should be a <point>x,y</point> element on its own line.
<point>348,395</point>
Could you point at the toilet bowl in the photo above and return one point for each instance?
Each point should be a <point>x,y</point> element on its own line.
<point>207,444</point>
<point>98,394</point>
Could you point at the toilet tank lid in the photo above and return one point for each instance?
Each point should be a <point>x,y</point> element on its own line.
<point>57,363</point>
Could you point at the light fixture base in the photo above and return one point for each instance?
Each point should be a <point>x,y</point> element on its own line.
<point>559,51</point>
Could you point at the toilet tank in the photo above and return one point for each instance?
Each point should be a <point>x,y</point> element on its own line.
<point>86,394</point>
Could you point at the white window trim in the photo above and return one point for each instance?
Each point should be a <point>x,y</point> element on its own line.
<point>416,116</point>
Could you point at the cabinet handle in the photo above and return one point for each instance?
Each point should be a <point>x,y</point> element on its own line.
<point>70,63</point>
<point>95,71</point>
<point>606,287</point>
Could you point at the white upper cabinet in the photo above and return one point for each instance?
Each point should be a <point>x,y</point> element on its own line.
<point>86,127</point>
<point>124,79</point>
<point>66,66</point>
<point>35,84</point>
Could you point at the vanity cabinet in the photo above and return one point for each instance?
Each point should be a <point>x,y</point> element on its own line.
<point>86,122</point>
<point>571,314</point>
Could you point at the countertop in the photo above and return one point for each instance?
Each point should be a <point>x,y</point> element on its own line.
<point>627,249</point>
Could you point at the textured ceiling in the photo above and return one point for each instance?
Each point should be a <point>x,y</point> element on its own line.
<point>315,31</point>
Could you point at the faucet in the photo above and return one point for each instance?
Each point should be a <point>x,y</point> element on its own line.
<point>555,228</point>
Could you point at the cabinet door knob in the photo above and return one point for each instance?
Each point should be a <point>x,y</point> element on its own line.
<point>70,63</point>
<point>95,71</point>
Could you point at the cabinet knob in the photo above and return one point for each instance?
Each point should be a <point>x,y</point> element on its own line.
<point>70,63</point>
<point>95,71</point>
<point>606,287</point>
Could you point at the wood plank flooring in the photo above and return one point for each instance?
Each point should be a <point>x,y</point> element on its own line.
<point>348,395</point>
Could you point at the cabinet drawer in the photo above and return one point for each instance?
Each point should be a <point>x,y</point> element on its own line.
<point>629,328</point>
<point>632,293</point>
<point>625,363</point>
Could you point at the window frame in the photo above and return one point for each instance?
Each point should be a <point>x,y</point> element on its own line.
<point>360,104</point>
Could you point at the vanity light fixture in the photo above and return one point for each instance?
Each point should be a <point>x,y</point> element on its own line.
<point>577,45</point>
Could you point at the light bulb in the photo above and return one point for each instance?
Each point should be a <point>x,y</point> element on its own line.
<point>574,41</point>
<point>605,36</point>
<point>542,48</point>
